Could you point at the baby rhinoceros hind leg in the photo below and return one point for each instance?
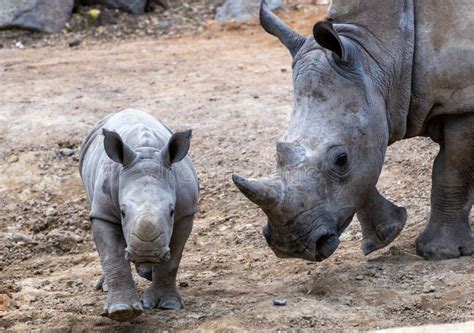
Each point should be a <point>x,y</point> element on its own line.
<point>381,222</point>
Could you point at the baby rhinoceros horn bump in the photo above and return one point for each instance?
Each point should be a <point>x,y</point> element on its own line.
<point>146,229</point>
<point>264,193</point>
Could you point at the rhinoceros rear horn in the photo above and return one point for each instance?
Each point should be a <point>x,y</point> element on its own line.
<point>116,149</point>
<point>273,25</point>
<point>264,193</point>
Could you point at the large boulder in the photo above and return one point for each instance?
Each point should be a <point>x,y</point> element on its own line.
<point>43,15</point>
<point>241,10</point>
<point>131,6</point>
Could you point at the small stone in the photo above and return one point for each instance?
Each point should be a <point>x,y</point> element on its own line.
<point>12,159</point>
<point>66,152</point>
<point>280,301</point>
<point>75,42</point>
<point>51,212</point>
<point>359,277</point>
<point>4,302</point>
<point>18,237</point>
<point>94,13</point>
<point>429,289</point>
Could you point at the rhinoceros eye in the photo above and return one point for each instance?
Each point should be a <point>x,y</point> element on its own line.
<point>341,160</point>
<point>340,164</point>
<point>122,212</point>
<point>172,213</point>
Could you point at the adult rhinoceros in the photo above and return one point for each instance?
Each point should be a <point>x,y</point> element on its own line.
<point>374,73</point>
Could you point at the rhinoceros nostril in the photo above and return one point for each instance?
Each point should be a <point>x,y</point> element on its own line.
<point>326,245</point>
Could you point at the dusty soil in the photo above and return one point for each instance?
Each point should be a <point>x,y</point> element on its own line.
<point>234,89</point>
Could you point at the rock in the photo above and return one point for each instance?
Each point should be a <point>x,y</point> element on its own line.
<point>429,289</point>
<point>65,236</point>
<point>43,15</point>
<point>280,301</point>
<point>66,152</point>
<point>132,6</point>
<point>4,302</point>
<point>12,159</point>
<point>241,10</point>
<point>18,237</point>
<point>75,42</point>
<point>51,211</point>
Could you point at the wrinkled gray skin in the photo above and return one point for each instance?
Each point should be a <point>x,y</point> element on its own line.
<point>143,193</point>
<point>375,73</point>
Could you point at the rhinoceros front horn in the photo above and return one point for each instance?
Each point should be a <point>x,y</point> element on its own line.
<point>265,193</point>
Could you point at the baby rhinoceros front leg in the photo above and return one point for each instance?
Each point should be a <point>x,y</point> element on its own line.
<point>163,292</point>
<point>122,302</point>
<point>381,222</point>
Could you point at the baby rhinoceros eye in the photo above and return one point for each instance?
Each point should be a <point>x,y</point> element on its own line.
<point>172,213</point>
<point>341,164</point>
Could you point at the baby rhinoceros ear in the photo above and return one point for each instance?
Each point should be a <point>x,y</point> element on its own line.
<point>176,148</point>
<point>116,149</point>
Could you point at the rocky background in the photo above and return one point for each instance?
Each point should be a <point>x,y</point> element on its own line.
<point>78,20</point>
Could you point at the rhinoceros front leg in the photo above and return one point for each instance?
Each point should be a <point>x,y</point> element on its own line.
<point>122,303</point>
<point>381,222</point>
<point>448,233</point>
<point>163,291</point>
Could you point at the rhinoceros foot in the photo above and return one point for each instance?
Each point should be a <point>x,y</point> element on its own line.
<point>435,244</point>
<point>383,229</point>
<point>165,299</point>
<point>122,307</point>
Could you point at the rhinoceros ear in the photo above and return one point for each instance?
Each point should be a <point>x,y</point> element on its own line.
<point>177,147</point>
<point>276,27</point>
<point>116,149</point>
<point>327,37</point>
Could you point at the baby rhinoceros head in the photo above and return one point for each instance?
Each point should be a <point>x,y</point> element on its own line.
<point>147,194</point>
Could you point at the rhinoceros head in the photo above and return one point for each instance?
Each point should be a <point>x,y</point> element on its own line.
<point>332,152</point>
<point>147,194</point>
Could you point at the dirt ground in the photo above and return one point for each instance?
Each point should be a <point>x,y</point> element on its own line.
<point>233,88</point>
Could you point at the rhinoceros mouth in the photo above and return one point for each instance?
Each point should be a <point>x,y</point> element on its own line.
<point>155,257</point>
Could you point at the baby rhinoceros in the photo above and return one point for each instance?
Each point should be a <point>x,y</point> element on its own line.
<point>143,193</point>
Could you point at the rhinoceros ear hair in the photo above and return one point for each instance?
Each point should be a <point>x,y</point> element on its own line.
<point>327,37</point>
<point>116,149</point>
<point>177,147</point>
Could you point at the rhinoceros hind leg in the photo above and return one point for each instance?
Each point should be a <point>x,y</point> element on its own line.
<point>448,234</point>
<point>381,222</point>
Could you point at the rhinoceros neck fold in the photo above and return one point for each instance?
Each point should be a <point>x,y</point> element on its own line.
<point>386,30</point>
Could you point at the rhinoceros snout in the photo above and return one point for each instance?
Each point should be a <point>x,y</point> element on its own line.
<point>147,256</point>
<point>326,245</point>
<point>319,246</point>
